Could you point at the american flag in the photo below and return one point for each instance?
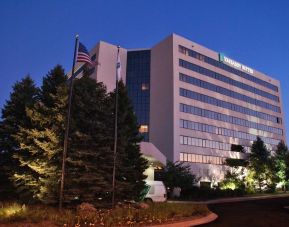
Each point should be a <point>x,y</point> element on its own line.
<point>83,55</point>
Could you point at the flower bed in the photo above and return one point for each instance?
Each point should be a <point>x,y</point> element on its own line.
<point>121,216</point>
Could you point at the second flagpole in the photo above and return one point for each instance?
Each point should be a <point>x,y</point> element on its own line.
<point>115,129</point>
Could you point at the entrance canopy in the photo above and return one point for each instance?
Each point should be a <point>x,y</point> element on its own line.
<point>152,154</point>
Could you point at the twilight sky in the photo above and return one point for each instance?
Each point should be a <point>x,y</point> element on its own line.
<point>37,35</point>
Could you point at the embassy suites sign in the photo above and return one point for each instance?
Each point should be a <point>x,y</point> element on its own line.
<point>235,64</point>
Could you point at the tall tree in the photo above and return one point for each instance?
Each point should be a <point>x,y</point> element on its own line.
<point>130,165</point>
<point>42,142</point>
<point>89,162</point>
<point>260,165</point>
<point>281,160</point>
<point>14,117</point>
<point>7,191</point>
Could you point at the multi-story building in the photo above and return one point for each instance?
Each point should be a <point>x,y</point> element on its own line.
<point>194,104</point>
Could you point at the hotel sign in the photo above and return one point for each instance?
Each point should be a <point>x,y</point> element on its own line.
<point>237,65</point>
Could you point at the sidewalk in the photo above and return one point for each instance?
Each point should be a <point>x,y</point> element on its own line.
<point>234,199</point>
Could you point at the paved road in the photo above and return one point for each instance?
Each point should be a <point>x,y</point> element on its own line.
<point>258,213</point>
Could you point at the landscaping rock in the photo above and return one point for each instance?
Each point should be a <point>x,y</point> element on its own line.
<point>86,207</point>
<point>142,206</point>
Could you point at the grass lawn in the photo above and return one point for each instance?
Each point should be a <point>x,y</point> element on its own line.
<point>14,214</point>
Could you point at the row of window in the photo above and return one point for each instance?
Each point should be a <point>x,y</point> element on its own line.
<point>223,131</point>
<point>225,67</point>
<point>137,82</point>
<point>198,142</point>
<point>227,105</point>
<point>227,92</point>
<point>199,158</point>
<point>227,118</point>
<point>225,79</point>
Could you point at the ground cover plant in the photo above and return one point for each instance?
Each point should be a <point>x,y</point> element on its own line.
<point>122,215</point>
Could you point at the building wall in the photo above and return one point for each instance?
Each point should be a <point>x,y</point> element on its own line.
<point>107,58</point>
<point>210,172</point>
<point>161,98</point>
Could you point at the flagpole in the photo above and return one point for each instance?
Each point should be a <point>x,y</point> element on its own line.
<point>67,125</point>
<point>115,132</point>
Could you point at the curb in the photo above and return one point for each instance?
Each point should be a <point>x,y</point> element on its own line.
<point>241,199</point>
<point>198,221</point>
<point>233,199</point>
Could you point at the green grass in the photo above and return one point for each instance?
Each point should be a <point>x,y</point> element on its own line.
<point>156,213</point>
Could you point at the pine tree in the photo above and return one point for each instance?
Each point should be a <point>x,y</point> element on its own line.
<point>178,174</point>
<point>7,190</point>
<point>89,157</point>
<point>130,165</point>
<point>14,116</point>
<point>43,141</point>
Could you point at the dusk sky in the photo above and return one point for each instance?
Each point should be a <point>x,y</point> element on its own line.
<point>37,35</point>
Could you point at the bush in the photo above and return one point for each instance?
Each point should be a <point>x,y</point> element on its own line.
<point>197,193</point>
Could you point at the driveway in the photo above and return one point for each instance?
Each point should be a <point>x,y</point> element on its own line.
<point>257,213</point>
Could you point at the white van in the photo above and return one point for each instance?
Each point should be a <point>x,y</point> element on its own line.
<point>157,191</point>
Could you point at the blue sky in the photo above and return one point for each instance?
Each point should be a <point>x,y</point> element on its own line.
<point>37,35</point>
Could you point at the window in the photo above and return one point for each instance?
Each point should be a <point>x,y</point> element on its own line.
<point>137,79</point>
<point>193,157</point>
<point>144,87</point>
<point>152,189</point>
<point>227,92</point>
<point>228,68</point>
<point>183,50</point>
<point>205,159</point>
<point>189,157</point>
<point>217,102</point>
<point>198,158</point>
<point>143,128</point>
<point>226,79</point>
<point>185,157</point>
<point>226,118</point>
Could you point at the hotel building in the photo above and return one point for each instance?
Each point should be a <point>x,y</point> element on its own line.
<point>194,104</point>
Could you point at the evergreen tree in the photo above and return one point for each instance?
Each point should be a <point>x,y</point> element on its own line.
<point>89,158</point>
<point>7,190</point>
<point>260,165</point>
<point>43,141</point>
<point>14,117</point>
<point>281,160</point>
<point>177,174</point>
<point>130,165</point>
